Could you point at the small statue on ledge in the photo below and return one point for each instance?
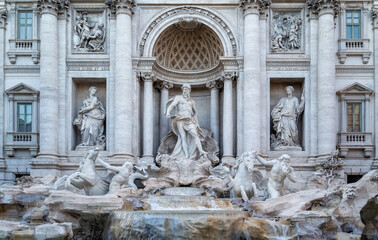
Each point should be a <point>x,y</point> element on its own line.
<point>90,121</point>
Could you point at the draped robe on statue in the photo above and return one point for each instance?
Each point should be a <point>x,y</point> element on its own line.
<point>284,116</point>
<point>190,124</point>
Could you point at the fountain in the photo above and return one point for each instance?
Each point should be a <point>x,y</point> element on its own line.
<point>187,194</point>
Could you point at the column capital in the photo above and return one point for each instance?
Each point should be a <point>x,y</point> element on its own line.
<point>229,75</point>
<point>147,76</point>
<point>254,6</point>
<point>3,17</point>
<point>121,6</point>
<point>164,85</point>
<point>321,7</point>
<point>53,6</point>
<point>216,84</point>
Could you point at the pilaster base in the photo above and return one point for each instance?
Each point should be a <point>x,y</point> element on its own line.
<point>44,165</point>
<point>228,161</point>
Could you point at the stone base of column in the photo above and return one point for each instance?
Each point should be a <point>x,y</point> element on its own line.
<point>44,165</point>
<point>228,161</point>
<point>375,164</point>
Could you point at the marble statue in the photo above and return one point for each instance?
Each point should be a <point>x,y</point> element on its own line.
<point>280,170</point>
<point>285,119</point>
<point>90,121</point>
<point>242,183</point>
<point>89,33</point>
<point>185,125</point>
<point>86,177</point>
<point>124,176</point>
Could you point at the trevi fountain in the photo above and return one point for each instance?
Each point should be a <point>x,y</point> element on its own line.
<point>196,119</point>
<point>187,193</point>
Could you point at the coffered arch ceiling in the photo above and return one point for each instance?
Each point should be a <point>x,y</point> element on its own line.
<point>188,46</point>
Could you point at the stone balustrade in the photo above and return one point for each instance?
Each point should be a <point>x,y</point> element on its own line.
<point>354,47</point>
<point>23,48</point>
<point>355,140</point>
<point>17,140</point>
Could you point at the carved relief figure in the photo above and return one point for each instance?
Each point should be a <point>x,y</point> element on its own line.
<point>90,121</point>
<point>89,32</point>
<point>286,31</point>
<point>124,176</point>
<point>280,170</point>
<point>185,125</point>
<point>285,115</point>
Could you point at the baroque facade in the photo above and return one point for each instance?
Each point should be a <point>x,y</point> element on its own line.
<point>239,57</point>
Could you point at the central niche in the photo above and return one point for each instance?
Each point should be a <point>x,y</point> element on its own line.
<point>188,46</point>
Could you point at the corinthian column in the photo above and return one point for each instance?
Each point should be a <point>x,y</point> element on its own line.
<point>228,123</point>
<point>124,85</point>
<point>252,82</point>
<point>326,75</point>
<point>214,107</point>
<point>148,118</point>
<point>3,18</point>
<point>49,75</point>
<point>164,87</point>
<point>374,14</point>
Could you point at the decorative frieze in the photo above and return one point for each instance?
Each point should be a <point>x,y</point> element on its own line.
<point>288,65</point>
<point>89,31</point>
<point>80,65</point>
<point>286,32</point>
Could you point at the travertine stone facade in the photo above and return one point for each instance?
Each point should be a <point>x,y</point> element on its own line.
<point>237,55</point>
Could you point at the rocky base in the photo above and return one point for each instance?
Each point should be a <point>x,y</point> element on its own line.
<point>35,211</point>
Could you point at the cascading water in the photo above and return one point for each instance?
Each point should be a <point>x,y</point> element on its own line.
<point>192,217</point>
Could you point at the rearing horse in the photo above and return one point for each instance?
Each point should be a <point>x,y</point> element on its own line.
<point>242,182</point>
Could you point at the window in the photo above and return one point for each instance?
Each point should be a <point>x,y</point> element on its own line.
<point>25,25</point>
<point>353,24</point>
<point>24,117</point>
<point>354,117</point>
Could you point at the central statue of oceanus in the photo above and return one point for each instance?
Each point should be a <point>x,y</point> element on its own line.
<point>187,153</point>
<point>185,125</point>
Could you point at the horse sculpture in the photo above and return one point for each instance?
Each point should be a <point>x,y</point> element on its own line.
<point>85,177</point>
<point>243,177</point>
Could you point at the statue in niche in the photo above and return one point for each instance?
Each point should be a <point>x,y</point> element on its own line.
<point>285,119</point>
<point>186,155</point>
<point>89,33</point>
<point>286,31</point>
<point>90,121</point>
<point>280,170</point>
<point>185,125</point>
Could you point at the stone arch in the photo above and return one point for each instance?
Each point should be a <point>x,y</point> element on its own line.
<point>202,15</point>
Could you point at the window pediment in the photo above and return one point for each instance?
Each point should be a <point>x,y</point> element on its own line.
<point>355,88</point>
<point>22,89</point>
